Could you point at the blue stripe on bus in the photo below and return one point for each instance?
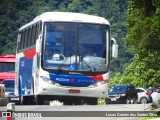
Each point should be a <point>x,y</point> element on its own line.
<point>71,80</point>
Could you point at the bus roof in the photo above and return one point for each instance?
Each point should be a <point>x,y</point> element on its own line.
<point>8,58</point>
<point>67,17</point>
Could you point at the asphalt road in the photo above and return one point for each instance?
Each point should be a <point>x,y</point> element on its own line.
<point>79,112</point>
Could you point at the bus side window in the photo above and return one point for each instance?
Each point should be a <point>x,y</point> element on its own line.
<point>36,33</point>
<point>29,36</point>
<point>40,27</point>
<point>33,34</point>
<point>26,39</point>
<point>23,40</point>
<point>19,40</point>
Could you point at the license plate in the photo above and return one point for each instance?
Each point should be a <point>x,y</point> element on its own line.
<point>74,91</point>
<point>113,99</point>
<point>16,99</point>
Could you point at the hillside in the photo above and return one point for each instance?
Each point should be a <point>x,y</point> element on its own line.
<point>15,13</point>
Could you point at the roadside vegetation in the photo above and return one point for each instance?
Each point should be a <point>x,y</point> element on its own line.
<point>148,118</point>
<point>143,39</point>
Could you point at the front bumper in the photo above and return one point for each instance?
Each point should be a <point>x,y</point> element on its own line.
<point>59,90</point>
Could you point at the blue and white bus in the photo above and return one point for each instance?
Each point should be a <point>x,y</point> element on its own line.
<point>51,60</point>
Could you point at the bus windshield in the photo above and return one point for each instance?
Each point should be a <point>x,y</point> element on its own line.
<point>7,66</point>
<point>74,46</point>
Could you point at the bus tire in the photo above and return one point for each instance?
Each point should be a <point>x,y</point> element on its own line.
<point>32,86</point>
<point>29,100</point>
<point>91,101</point>
<point>79,101</point>
<point>39,100</point>
<point>22,100</point>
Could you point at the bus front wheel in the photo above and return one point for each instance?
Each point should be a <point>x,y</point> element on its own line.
<point>91,101</point>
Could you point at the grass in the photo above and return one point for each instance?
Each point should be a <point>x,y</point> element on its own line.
<point>148,118</point>
<point>154,107</point>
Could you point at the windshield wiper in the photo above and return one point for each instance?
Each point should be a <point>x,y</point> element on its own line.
<point>88,66</point>
<point>61,65</point>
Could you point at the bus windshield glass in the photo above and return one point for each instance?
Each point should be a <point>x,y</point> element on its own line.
<point>7,66</point>
<point>75,46</point>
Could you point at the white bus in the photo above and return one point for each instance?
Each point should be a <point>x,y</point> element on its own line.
<point>52,62</point>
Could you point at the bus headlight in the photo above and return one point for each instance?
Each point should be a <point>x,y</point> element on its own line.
<point>122,94</point>
<point>99,83</point>
<point>47,80</point>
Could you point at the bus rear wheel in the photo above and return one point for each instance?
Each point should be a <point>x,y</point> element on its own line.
<point>21,100</point>
<point>26,100</point>
<point>39,100</point>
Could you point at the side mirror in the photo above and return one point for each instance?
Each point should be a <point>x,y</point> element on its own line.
<point>114,48</point>
<point>38,44</point>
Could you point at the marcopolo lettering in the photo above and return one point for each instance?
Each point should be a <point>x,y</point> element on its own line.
<point>62,79</point>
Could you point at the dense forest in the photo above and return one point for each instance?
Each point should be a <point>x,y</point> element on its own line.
<point>134,24</point>
<point>15,13</point>
<point>143,37</point>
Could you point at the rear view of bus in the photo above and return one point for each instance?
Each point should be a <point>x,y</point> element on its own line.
<point>69,61</point>
<point>7,67</point>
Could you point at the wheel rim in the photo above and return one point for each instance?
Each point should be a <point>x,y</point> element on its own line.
<point>143,100</point>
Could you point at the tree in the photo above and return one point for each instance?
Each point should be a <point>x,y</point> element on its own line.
<point>10,21</point>
<point>143,35</point>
